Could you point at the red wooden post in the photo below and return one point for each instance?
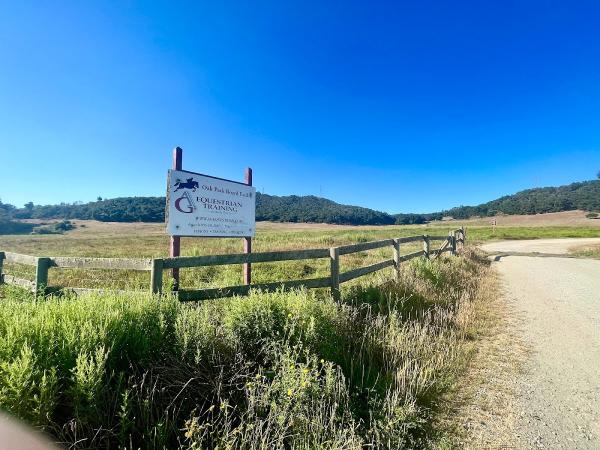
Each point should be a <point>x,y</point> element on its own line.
<point>248,240</point>
<point>175,247</point>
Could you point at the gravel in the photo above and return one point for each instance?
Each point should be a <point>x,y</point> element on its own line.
<point>558,303</point>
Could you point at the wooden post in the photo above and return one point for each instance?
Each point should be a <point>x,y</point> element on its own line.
<point>156,276</point>
<point>1,273</point>
<point>397,258</point>
<point>175,247</point>
<point>41,275</point>
<point>334,257</point>
<point>452,238</point>
<point>248,240</point>
<point>426,245</point>
<point>463,231</point>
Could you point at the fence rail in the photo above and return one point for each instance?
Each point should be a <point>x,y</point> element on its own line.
<point>157,266</point>
<point>242,258</point>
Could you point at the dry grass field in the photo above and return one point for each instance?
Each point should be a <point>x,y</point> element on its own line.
<point>144,240</point>
<point>558,219</point>
<point>149,240</point>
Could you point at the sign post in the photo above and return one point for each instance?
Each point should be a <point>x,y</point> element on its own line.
<point>248,240</point>
<point>175,245</point>
<point>200,205</point>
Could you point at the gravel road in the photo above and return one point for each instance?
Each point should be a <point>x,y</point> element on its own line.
<point>539,245</point>
<point>558,304</point>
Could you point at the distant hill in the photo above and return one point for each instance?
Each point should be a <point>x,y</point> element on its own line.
<point>583,195</point>
<point>123,209</point>
<point>416,219</point>
<point>291,208</point>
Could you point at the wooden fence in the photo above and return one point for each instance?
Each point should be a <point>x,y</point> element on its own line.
<point>158,265</point>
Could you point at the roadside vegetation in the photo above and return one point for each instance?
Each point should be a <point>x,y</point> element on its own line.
<point>586,251</point>
<point>281,370</point>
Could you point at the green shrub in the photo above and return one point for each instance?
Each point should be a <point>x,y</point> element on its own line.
<point>279,370</point>
<point>304,404</point>
<point>8,226</point>
<point>55,228</point>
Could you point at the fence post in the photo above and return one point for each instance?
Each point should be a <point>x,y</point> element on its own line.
<point>334,257</point>
<point>1,273</point>
<point>452,242</point>
<point>455,242</point>
<point>41,275</point>
<point>156,276</point>
<point>397,258</point>
<point>426,245</point>
<point>464,236</point>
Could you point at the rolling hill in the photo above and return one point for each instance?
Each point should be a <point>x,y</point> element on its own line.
<point>582,195</point>
<point>291,208</point>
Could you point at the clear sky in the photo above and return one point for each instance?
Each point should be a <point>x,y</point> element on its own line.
<point>398,106</point>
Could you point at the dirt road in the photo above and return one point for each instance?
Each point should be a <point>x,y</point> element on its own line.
<point>558,304</point>
<point>539,245</point>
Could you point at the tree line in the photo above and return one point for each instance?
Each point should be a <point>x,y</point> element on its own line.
<point>9,226</point>
<point>152,209</point>
<point>582,195</point>
<point>293,208</point>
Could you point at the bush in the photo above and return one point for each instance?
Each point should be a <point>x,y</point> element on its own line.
<point>279,370</point>
<point>592,215</point>
<point>55,228</point>
<point>13,227</point>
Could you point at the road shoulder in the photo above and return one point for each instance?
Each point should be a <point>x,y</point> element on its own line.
<point>483,412</point>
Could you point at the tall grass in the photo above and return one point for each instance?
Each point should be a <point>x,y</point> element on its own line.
<point>150,241</point>
<point>280,370</point>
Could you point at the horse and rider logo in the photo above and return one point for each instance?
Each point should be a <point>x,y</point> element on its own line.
<point>188,184</point>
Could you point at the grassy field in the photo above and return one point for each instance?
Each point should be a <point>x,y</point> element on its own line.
<point>576,218</point>
<point>282,370</point>
<point>270,371</point>
<point>481,234</point>
<point>149,240</point>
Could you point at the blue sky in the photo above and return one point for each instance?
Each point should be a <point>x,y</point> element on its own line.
<point>397,106</point>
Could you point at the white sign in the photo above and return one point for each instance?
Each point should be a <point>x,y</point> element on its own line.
<point>199,205</point>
